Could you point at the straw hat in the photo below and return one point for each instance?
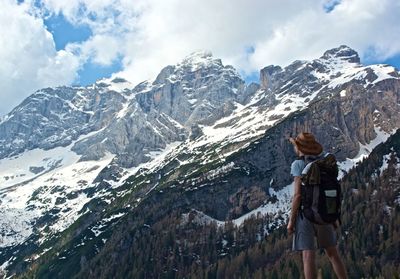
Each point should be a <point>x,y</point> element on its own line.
<point>307,144</point>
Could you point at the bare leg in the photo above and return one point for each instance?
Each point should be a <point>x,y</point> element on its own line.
<point>336,262</point>
<point>310,271</point>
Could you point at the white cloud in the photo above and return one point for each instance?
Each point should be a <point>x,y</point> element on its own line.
<point>361,24</point>
<point>149,34</point>
<point>100,49</point>
<point>153,33</point>
<point>28,57</point>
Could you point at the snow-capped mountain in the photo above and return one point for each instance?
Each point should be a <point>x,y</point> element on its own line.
<point>59,139</point>
<point>96,153</point>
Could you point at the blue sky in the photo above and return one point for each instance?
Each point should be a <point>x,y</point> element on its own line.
<point>329,6</point>
<point>76,42</point>
<point>64,33</point>
<point>394,61</point>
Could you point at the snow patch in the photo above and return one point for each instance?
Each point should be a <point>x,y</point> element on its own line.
<point>341,71</point>
<point>279,208</point>
<point>156,158</point>
<point>385,161</point>
<point>364,151</point>
<point>116,84</point>
<point>57,187</point>
<point>98,229</point>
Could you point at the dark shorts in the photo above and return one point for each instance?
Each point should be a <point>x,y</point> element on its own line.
<point>310,236</point>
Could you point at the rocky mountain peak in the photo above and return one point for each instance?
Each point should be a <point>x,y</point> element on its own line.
<point>117,84</point>
<point>342,52</point>
<point>198,69</point>
<point>198,56</point>
<point>200,60</point>
<point>303,76</point>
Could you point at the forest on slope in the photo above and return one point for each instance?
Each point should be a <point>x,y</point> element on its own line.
<point>174,244</point>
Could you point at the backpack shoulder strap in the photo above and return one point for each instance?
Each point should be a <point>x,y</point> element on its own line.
<point>309,173</point>
<point>314,174</point>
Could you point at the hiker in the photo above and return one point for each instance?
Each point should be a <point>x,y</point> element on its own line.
<point>304,231</point>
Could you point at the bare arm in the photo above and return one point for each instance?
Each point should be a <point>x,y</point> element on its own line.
<point>295,203</point>
<point>296,197</point>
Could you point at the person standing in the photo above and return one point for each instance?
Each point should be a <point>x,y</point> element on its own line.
<point>307,236</point>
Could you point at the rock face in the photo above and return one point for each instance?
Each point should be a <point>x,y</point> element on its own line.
<point>56,117</point>
<point>267,75</point>
<point>343,52</point>
<point>245,200</point>
<point>340,123</point>
<point>199,90</point>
